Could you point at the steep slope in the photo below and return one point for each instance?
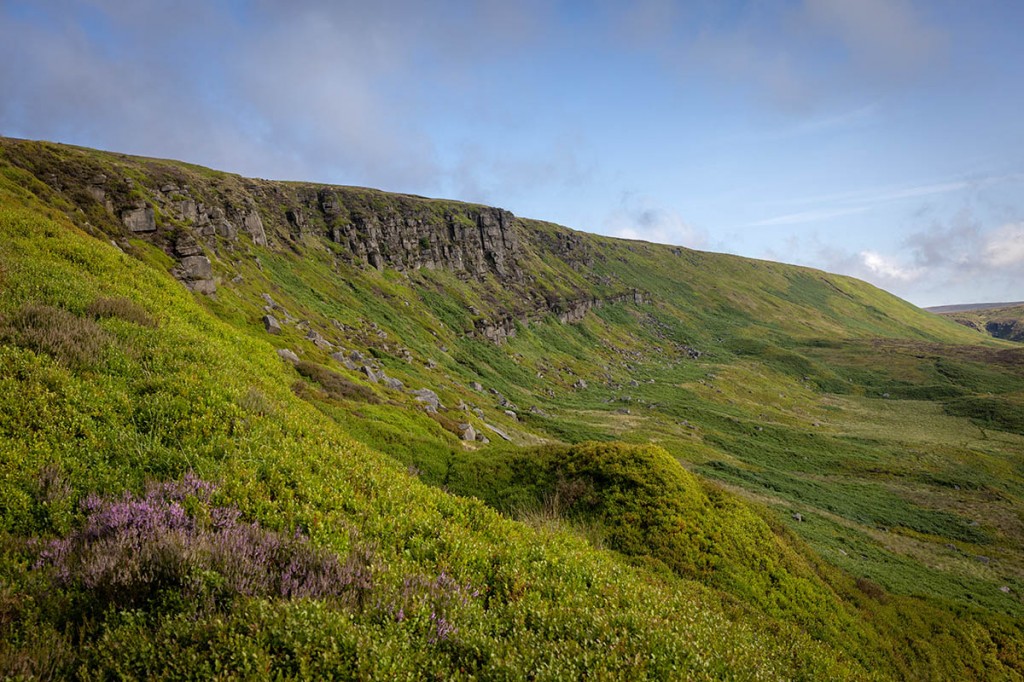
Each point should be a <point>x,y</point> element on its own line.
<point>853,497</point>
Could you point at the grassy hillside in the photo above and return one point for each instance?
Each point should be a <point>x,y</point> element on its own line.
<point>747,469</point>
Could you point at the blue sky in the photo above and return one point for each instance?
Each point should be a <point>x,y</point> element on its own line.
<point>878,138</point>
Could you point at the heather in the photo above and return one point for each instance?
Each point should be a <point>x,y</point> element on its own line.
<point>131,549</point>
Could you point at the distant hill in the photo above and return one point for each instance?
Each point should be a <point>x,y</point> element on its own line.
<point>1001,320</point>
<point>965,307</point>
<point>262,430</point>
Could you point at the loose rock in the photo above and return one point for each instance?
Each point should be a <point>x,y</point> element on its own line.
<point>271,324</point>
<point>286,354</point>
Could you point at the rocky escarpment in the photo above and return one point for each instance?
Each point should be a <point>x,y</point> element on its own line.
<point>409,233</point>
<point>195,215</point>
<point>206,219</point>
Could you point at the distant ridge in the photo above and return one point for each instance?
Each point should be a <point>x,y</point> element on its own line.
<point>964,307</point>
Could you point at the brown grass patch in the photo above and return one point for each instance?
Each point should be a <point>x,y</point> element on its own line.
<point>71,340</point>
<point>121,308</point>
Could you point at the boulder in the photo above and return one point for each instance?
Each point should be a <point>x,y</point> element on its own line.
<point>343,359</point>
<point>511,415</point>
<point>498,431</point>
<point>370,373</point>
<point>476,386</point>
<point>253,224</point>
<point>196,273</point>
<point>394,383</point>
<point>318,340</point>
<point>286,354</point>
<point>139,219</point>
<point>580,384</point>
<point>271,324</point>
<point>428,398</point>
<point>467,432</point>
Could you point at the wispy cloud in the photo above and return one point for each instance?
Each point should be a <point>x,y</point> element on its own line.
<point>860,201</point>
<point>641,217</point>
<point>811,216</point>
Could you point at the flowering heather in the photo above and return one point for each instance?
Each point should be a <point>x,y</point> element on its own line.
<point>442,595</point>
<point>132,547</point>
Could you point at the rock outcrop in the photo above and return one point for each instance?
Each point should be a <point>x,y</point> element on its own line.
<point>568,312</point>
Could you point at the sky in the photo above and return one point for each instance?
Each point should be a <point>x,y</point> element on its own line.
<point>882,139</point>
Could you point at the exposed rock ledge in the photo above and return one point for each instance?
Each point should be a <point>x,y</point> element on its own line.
<point>568,312</point>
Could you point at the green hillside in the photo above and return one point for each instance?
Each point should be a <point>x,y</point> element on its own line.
<point>497,449</point>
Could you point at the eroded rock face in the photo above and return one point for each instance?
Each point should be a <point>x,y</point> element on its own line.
<point>139,219</point>
<point>475,242</point>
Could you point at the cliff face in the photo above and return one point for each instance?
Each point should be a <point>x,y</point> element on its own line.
<point>205,219</point>
<point>192,215</point>
<point>408,233</point>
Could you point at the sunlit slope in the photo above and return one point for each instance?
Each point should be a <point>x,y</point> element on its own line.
<point>115,376</point>
<point>830,460</point>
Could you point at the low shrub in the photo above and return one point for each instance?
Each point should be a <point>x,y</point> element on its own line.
<point>133,548</point>
<point>335,385</point>
<point>71,340</point>
<point>121,308</point>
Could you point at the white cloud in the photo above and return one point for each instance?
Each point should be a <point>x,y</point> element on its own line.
<point>886,267</point>
<point>639,217</point>
<point>1004,247</point>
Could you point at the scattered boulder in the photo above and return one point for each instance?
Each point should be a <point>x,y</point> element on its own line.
<point>498,431</point>
<point>481,438</point>
<point>318,340</point>
<point>511,415</point>
<point>290,356</point>
<point>271,324</point>
<point>428,398</point>
<point>467,432</point>
<point>1005,589</point>
<point>394,383</point>
<point>370,373</point>
<point>476,386</point>
<point>344,360</point>
<point>580,384</point>
<point>798,517</point>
